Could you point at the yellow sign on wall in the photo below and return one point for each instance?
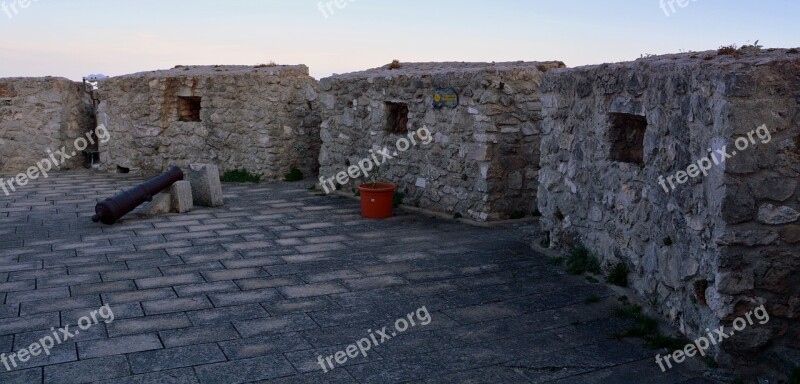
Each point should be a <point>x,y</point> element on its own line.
<point>445,98</point>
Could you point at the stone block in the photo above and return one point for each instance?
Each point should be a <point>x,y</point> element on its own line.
<point>178,198</point>
<point>309,290</point>
<point>148,324</point>
<point>791,234</point>
<point>275,325</point>
<point>160,307</point>
<point>90,370</point>
<point>160,205</point>
<point>208,119</point>
<point>47,111</point>
<point>228,299</point>
<point>178,357</point>
<point>199,335</point>
<point>496,133</point>
<point>119,345</point>
<point>770,214</point>
<point>181,194</point>
<point>246,370</point>
<point>594,191</point>
<point>205,184</point>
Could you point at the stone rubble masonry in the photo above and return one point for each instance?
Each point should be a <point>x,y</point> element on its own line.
<point>484,161</point>
<point>205,184</point>
<point>525,136</point>
<point>181,193</point>
<point>717,246</point>
<point>161,204</point>
<point>37,114</point>
<point>262,119</point>
<point>177,199</point>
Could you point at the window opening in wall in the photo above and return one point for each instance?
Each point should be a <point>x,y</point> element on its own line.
<point>396,117</point>
<point>626,132</point>
<point>189,108</point>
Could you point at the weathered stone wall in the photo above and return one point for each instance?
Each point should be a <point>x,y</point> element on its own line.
<point>262,119</point>
<point>480,165</point>
<point>706,252</point>
<point>37,114</point>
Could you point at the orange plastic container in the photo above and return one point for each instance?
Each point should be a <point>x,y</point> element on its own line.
<point>377,200</point>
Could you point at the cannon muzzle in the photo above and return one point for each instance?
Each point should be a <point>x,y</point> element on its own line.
<point>110,210</point>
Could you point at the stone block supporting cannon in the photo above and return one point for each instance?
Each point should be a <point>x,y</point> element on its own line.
<point>110,210</point>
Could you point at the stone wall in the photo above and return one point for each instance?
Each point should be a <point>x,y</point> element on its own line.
<point>480,165</point>
<point>262,119</point>
<point>715,247</point>
<point>40,114</point>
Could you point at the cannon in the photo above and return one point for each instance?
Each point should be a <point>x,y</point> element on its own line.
<point>110,210</point>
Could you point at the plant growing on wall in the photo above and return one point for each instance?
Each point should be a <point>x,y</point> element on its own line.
<point>293,175</point>
<point>795,377</point>
<point>618,276</point>
<point>239,176</point>
<point>581,261</point>
<point>266,65</point>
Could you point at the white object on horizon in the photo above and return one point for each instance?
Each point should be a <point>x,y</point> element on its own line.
<point>96,77</point>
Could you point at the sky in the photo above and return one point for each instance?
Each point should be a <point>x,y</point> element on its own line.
<point>74,38</point>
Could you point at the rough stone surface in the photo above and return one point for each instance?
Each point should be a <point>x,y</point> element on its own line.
<point>182,199</point>
<point>205,184</point>
<point>791,234</point>
<point>294,271</point>
<point>161,204</point>
<point>481,159</point>
<point>772,215</point>
<point>262,119</point>
<point>708,232</point>
<point>499,312</point>
<point>41,114</point>
<point>176,199</point>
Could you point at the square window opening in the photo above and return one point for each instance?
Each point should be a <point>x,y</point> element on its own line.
<point>626,132</point>
<point>189,108</point>
<point>396,117</point>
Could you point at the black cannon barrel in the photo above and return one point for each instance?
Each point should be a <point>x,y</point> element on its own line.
<point>110,210</point>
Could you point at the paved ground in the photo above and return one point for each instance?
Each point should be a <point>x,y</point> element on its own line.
<point>257,290</point>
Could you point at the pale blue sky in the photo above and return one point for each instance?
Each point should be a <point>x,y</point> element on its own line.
<point>72,38</point>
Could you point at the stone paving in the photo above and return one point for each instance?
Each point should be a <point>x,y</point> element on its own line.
<point>256,290</point>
